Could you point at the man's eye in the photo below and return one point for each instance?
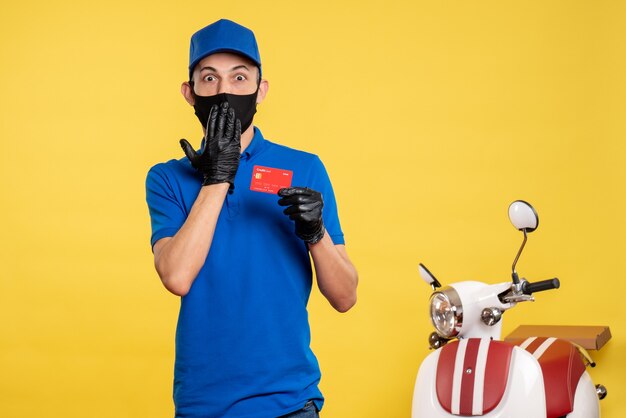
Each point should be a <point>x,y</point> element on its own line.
<point>240,77</point>
<point>209,78</point>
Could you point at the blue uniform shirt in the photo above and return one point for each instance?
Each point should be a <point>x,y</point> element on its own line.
<point>242,340</point>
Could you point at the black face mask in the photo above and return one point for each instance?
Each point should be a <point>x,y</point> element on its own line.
<point>244,106</point>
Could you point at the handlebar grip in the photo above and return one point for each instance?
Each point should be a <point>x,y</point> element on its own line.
<point>530,288</point>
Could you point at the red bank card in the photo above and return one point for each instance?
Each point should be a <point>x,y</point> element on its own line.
<point>270,180</point>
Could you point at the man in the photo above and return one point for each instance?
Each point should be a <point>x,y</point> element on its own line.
<point>233,225</point>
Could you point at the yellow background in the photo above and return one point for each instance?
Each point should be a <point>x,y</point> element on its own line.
<point>431,117</point>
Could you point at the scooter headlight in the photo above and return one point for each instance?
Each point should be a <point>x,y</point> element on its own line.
<point>446,312</point>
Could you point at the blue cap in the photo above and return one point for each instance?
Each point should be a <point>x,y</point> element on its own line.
<point>223,36</point>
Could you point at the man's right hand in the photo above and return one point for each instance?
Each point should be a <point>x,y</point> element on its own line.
<point>219,160</point>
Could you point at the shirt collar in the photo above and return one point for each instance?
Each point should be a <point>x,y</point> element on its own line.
<point>257,145</point>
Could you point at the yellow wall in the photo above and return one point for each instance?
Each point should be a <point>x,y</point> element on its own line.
<point>431,116</point>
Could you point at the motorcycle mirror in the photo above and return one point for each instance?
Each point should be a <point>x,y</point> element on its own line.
<point>523,216</point>
<point>428,277</point>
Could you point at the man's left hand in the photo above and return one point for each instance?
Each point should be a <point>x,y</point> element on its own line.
<point>305,209</point>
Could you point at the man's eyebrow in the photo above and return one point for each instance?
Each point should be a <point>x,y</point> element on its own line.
<point>235,68</point>
<point>239,67</point>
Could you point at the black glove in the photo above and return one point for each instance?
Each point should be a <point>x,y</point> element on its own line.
<point>219,160</point>
<point>305,208</point>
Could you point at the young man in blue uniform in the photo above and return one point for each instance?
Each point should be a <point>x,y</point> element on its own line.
<point>233,224</point>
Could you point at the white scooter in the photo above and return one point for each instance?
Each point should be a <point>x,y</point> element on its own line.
<point>472,372</point>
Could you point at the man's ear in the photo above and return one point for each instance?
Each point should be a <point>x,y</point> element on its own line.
<point>264,86</point>
<point>187,92</point>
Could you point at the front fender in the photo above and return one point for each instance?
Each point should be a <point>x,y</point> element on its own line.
<point>523,397</point>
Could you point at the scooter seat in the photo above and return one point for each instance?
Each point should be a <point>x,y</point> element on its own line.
<point>562,368</point>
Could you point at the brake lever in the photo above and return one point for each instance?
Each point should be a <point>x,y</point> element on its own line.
<point>518,298</point>
<point>516,294</point>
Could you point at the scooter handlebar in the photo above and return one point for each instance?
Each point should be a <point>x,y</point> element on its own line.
<point>530,288</point>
